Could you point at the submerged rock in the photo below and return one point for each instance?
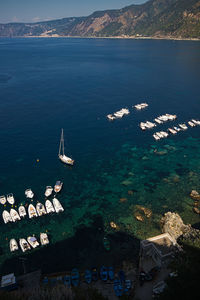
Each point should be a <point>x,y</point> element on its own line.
<point>196,210</point>
<point>163,152</point>
<point>139,217</point>
<point>126,182</point>
<point>123,200</point>
<point>147,212</point>
<point>130,193</point>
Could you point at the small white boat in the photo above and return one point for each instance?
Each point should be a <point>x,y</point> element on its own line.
<point>191,124</point>
<point>58,186</point>
<point>158,121</point>
<point>48,191</point>
<point>24,245</point>
<point>65,159</point>
<point>33,241</point>
<point>177,128</point>
<point>44,239</point>
<point>171,130</point>
<point>49,207</point>
<point>22,211</point>
<point>143,126</point>
<point>196,122</point>
<point>10,199</point>
<point>150,124</point>
<point>164,134</point>
<point>29,194</point>
<point>183,126</point>
<point>58,207</point>
<point>156,137</point>
<point>40,209</point>
<point>14,215</point>
<point>3,200</point>
<point>13,245</point>
<point>140,106</point>
<point>32,211</point>
<point>110,117</point>
<point>6,217</point>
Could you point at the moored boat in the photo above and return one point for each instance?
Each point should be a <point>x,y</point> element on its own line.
<point>88,276</point>
<point>3,200</point>
<point>48,191</point>
<point>13,245</point>
<point>29,194</point>
<point>58,186</point>
<point>10,199</point>
<point>6,217</point>
<point>191,124</point>
<point>140,106</point>
<point>110,117</point>
<point>156,137</point>
<point>197,122</point>
<point>104,273</point>
<point>44,238</point>
<point>14,215</point>
<point>58,207</point>
<point>183,126</point>
<point>177,128</point>
<point>32,211</point>
<point>111,273</point>
<point>24,245</point>
<point>158,121</point>
<point>173,131</point>
<point>75,277</point>
<point>22,211</point>
<point>40,209</point>
<point>49,207</point>
<point>33,241</point>
<point>65,159</point>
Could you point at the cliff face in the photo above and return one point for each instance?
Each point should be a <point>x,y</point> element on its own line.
<point>155,18</point>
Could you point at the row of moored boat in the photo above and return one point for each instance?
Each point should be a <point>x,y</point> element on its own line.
<point>33,211</point>
<point>29,193</point>
<point>26,244</point>
<point>9,198</point>
<point>182,126</point>
<point>159,120</point>
<point>125,111</point>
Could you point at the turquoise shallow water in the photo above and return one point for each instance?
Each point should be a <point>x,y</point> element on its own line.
<point>47,84</point>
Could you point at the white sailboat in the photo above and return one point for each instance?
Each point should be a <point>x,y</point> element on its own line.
<point>65,159</point>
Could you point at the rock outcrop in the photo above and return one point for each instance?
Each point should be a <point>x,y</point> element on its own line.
<point>173,224</point>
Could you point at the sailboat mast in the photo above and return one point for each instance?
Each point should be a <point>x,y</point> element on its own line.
<point>63,142</point>
<point>60,143</point>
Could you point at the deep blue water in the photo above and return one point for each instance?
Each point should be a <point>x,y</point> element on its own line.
<point>49,84</point>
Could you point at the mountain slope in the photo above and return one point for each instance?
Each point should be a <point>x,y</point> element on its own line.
<point>155,18</point>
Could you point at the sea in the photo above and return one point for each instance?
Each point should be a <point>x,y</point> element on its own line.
<point>123,181</point>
